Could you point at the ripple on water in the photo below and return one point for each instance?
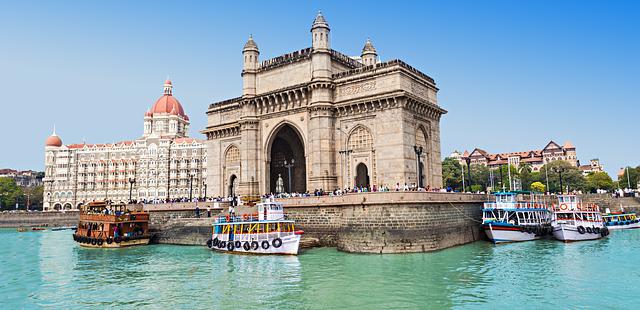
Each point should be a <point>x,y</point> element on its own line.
<point>49,270</point>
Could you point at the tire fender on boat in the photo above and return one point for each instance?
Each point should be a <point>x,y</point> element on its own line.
<point>596,230</point>
<point>254,245</point>
<point>222,244</point>
<point>117,239</point>
<point>277,242</point>
<point>581,230</point>
<point>265,244</point>
<point>237,244</point>
<point>109,240</point>
<point>100,242</point>
<point>589,230</point>
<point>246,246</point>
<point>94,241</point>
<point>215,242</point>
<point>209,243</point>
<point>230,246</point>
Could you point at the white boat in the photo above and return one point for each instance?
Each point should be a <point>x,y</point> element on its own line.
<point>265,232</point>
<point>620,220</point>
<point>575,221</point>
<point>516,216</point>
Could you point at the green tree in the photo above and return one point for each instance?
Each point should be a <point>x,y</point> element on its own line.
<point>452,173</point>
<point>9,192</point>
<point>598,180</point>
<point>480,177</point>
<point>501,176</point>
<point>34,196</point>
<point>537,187</point>
<point>572,177</point>
<point>634,173</point>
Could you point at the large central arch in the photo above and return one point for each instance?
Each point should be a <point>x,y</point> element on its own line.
<point>287,145</point>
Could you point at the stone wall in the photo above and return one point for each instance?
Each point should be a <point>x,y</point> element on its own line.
<point>392,222</point>
<point>606,201</point>
<point>50,219</point>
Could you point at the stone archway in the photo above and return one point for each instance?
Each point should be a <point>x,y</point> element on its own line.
<point>67,206</point>
<point>57,207</point>
<point>287,146</point>
<point>233,185</point>
<point>362,176</point>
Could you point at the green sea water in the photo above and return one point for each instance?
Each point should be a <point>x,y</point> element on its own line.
<point>48,270</point>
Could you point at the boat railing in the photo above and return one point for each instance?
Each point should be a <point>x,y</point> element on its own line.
<point>584,207</point>
<point>514,205</point>
<point>242,218</point>
<point>126,217</point>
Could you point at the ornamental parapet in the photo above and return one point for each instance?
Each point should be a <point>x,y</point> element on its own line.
<point>222,131</point>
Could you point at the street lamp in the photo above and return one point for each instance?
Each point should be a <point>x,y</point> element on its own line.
<point>205,190</point>
<point>131,181</point>
<point>559,170</point>
<point>289,166</point>
<point>468,160</point>
<point>190,186</point>
<point>418,150</point>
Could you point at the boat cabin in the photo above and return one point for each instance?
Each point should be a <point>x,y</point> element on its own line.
<point>270,211</point>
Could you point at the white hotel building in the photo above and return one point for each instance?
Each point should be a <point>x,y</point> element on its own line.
<point>163,164</point>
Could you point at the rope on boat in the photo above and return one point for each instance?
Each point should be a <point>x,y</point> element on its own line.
<point>463,214</point>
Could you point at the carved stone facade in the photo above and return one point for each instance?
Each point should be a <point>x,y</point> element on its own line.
<point>323,120</point>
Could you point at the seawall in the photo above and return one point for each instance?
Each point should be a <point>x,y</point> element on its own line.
<point>391,222</point>
<point>51,219</point>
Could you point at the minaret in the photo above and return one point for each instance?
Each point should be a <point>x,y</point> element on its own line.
<point>321,57</point>
<point>369,54</point>
<point>321,117</point>
<point>249,123</point>
<point>250,63</point>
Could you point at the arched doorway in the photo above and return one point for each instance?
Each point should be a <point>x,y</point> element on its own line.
<point>57,207</point>
<point>362,175</point>
<point>232,185</point>
<point>287,147</point>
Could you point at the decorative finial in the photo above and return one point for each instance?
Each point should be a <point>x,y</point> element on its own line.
<point>54,130</point>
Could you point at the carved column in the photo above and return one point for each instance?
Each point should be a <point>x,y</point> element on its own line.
<point>322,174</point>
<point>249,150</point>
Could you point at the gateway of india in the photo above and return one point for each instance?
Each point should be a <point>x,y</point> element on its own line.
<point>318,119</point>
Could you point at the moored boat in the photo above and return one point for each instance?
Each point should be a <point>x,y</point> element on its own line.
<point>105,225</point>
<point>516,216</point>
<point>620,220</point>
<point>577,221</point>
<point>265,232</point>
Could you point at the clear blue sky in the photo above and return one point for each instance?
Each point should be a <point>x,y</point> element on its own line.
<point>512,74</point>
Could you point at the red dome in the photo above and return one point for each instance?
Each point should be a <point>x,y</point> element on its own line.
<point>53,140</point>
<point>166,104</point>
<point>167,82</point>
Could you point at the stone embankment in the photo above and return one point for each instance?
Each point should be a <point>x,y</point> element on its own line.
<point>630,204</point>
<point>29,219</point>
<point>391,222</point>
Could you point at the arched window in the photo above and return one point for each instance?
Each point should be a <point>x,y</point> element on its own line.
<point>421,138</point>
<point>360,139</point>
<point>232,156</point>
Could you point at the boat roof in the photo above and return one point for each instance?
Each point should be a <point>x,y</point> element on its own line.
<point>515,192</point>
<point>256,222</point>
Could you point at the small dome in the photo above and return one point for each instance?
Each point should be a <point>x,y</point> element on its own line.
<point>53,140</point>
<point>148,113</point>
<point>319,21</point>
<point>167,82</point>
<point>167,103</point>
<point>368,48</point>
<point>250,45</point>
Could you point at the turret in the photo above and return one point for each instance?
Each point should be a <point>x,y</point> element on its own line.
<point>320,33</point>
<point>369,54</point>
<point>321,56</point>
<point>250,65</point>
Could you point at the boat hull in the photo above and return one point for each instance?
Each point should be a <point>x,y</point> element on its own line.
<point>568,233</point>
<point>289,246</point>
<point>504,234</point>
<point>621,227</point>
<point>122,244</point>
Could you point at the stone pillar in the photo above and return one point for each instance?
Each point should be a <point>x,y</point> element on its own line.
<point>249,150</point>
<point>322,173</point>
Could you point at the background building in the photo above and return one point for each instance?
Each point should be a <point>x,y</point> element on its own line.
<point>26,178</point>
<point>325,119</point>
<point>535,158</point>
<point>163,164</point>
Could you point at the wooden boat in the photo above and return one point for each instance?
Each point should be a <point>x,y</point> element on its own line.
<point>21,229</point>
<point>105,225</point>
